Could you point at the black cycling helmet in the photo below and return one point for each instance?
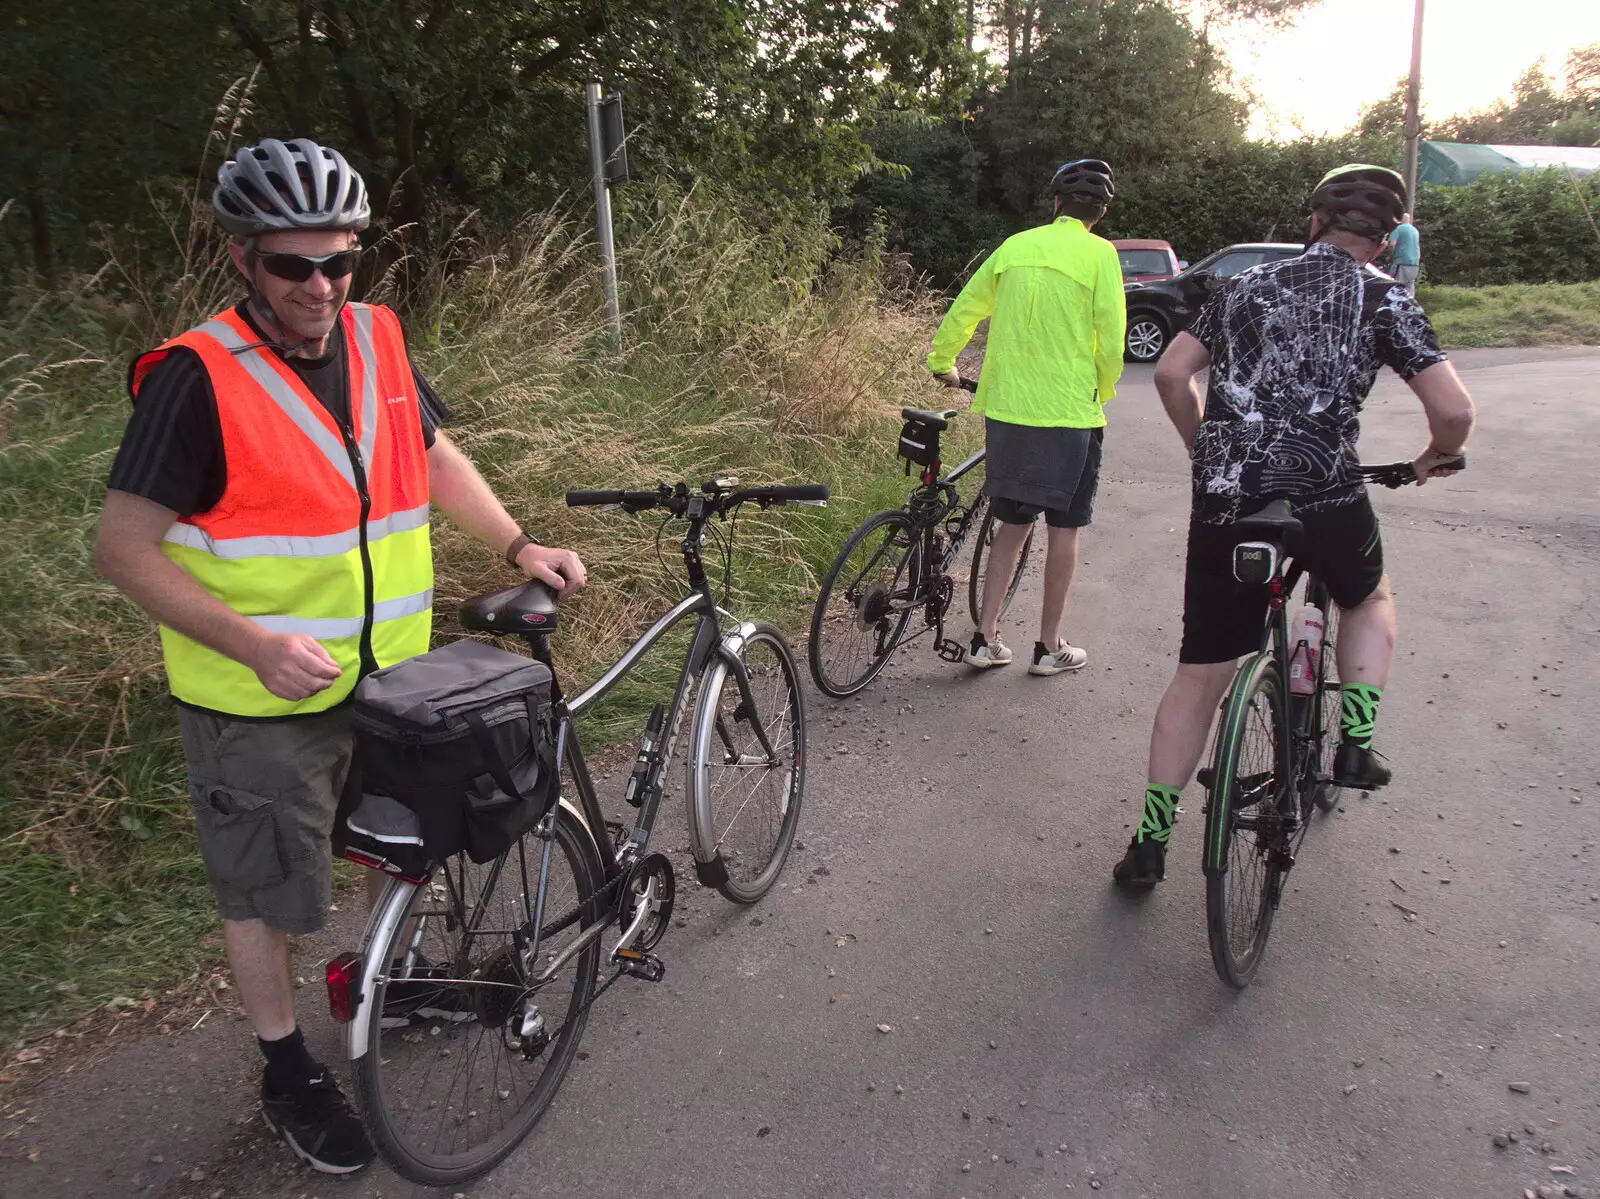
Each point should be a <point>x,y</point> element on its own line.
<point>289,185</point>
<point>1364,199</point>
<point>1087,180</point>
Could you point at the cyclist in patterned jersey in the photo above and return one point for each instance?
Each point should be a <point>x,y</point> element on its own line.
<point>1293,347</point>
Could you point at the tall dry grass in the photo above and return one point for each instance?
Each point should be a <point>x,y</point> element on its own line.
<point>769,353</point>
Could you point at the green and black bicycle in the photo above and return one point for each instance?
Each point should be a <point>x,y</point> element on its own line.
<point>1273,761</point>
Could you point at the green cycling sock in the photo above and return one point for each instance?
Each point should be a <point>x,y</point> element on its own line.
<point>1160,810</point>
<point>1359,713</point>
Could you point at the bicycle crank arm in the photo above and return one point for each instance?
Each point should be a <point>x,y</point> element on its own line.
<point>645,908</point>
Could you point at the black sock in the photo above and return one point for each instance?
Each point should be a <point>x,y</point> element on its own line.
<point>289,1065</point>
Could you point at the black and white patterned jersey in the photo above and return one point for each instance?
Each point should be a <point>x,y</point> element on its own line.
<point>1295,347</point>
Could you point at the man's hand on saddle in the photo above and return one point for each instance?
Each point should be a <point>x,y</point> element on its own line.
<point>560,569</point>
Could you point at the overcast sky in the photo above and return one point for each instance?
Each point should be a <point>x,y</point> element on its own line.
<point>1315,76</point>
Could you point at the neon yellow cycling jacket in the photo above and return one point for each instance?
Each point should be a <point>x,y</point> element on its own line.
<point>1054,299</point>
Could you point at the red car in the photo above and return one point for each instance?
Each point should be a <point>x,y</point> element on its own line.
<point>1144,259</point>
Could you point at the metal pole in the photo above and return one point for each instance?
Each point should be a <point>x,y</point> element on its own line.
<point>602,210</point>
<point>1413,125</point>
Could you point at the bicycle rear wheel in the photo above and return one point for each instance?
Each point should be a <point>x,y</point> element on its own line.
<point>1245,822</point>
<point>980,559</point>
<point>866,599</point>
<point>744,802</point>
<point>465,1050</point>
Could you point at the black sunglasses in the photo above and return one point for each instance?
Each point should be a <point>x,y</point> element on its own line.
<point>297,268</point>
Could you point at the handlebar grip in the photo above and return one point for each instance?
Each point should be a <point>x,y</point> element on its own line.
<point>969,384</point>
<point>798,492</point>
<point>592,499</point>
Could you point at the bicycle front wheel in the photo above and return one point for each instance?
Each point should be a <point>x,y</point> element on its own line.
<point>747,768</point>
<point>465,1046</point>
<point>1245,822</point>
<point>980,559</point>
<point>866,599</point>
<point>1325,703</point>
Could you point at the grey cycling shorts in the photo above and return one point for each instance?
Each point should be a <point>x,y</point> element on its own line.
<point>266,794</point>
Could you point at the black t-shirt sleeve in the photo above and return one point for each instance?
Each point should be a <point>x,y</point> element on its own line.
<point>434,413</point>
<point>171,451</point>
<point>1208,322</point>
<point>1404,335</point>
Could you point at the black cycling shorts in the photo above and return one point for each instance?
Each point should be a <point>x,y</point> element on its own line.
<point>1223,618</point>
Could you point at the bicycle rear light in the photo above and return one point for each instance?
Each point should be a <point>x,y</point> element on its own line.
<point>1255,561</point>
<point>344,983</point>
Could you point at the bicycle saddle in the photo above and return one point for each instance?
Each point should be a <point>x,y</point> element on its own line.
<point>1275,520</point>
<point>529,607</point>
<point>937,420</point>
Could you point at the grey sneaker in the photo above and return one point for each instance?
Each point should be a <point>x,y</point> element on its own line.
<point>983,653</point>
<point>1063,657</point>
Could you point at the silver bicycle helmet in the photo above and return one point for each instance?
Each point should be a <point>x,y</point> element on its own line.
<point>289,185</point>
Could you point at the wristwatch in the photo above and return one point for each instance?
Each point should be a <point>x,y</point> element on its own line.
<point>521,542</point>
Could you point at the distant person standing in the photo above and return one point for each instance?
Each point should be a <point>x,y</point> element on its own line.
<point>1054,300</point>
<point>1407,249</point>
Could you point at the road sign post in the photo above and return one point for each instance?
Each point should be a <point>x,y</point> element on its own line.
<point>608,167</point>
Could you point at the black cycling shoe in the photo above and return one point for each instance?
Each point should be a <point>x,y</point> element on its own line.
<point>1143,866</point>
<point>1363,769</point>
<point>319,1126</point>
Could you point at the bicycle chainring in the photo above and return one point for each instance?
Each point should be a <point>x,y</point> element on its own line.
<point>658,867</point>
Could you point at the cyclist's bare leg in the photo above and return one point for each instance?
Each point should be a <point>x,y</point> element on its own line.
<point>1183,721</point>
<point>1366,638</point>
<point>1060,561</point>
<point>259,958</point>
<point>1003,554</point>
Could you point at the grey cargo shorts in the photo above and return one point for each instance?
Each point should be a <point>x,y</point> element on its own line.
<point>266,795</point>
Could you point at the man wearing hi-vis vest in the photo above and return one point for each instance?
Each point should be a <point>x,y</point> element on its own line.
<point>269,507</point>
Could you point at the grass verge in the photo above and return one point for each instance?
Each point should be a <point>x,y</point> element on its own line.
<point>1545,314</point>
<point>771,354</point>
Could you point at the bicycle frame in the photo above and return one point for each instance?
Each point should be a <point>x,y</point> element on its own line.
<point>707,643</point>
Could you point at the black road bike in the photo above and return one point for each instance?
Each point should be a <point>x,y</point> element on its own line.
<point>466,1002</point>
<point>902,563</point>
<point>1273,759</point>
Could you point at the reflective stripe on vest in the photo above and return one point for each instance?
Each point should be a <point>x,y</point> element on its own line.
<point>284,545</point>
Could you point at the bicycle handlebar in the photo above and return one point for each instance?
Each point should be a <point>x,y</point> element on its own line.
<point>1403,474</point>
<point>720,495</point>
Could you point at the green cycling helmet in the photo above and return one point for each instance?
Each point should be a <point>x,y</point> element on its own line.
<point>1362,198</point>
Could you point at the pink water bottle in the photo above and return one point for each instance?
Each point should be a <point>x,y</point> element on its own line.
<point>1305,635</point>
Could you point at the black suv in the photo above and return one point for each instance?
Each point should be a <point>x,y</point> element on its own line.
<point>1162,308</point>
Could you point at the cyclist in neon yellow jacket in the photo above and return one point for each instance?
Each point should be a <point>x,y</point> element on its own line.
<point>1054,300</point>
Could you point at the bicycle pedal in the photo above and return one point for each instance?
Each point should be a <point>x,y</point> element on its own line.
<point>641,965</point>
<point>951,651</point>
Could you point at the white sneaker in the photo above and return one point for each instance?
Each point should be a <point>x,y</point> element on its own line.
<point>1066,657</point>
<point>984,654</point>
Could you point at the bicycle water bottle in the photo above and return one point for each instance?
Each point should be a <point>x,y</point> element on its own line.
<point>1305,634</point>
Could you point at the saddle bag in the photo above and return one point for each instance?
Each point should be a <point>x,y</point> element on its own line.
<point>462,737</point>
<point>919,443</point>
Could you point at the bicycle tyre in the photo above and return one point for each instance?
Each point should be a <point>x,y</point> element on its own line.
<point>1241,878</point>
<point>400,1129</point>
<point>975,577</point>
<point>1325,716</point>
<point>740,874</point>
<point>901,551</point>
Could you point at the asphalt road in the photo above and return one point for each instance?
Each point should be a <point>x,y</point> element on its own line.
<point>1049,1034</point>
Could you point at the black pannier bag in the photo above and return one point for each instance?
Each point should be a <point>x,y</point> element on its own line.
<point>919,443</point>
<point>463,737</point>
